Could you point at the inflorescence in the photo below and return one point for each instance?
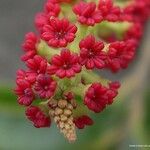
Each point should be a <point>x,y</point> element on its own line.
<point>74,39</point>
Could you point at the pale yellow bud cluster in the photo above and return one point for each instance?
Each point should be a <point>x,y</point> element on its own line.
<point>62,113</point>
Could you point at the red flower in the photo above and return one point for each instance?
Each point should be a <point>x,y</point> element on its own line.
<point>139,11</point>
<point>112,91</point>
<point>51,8</point>
<point>29,46</point>
<point>41,19</point>
<point>98,97</point>
<point>24,92</point>
<point>134,32</point>
<point>26,75</point>
<point>82,121</point>
<point>108,11</point>
<point>87,13</point>
<point>45,86</point>
<point>38,118</point>
<point>64,65</point>
<point>37,64</point>
<point>120,54</point>
<point>91,54</point>
<point>58,33</point>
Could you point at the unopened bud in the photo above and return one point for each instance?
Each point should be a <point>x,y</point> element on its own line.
<point>58,111</point>
<point>52,113</point>
<point>52,103</point>
<point>69,106</point>
<point>63,118</point>
<point>67,112</point>
<point>62,104</point>
<point>56,119</point>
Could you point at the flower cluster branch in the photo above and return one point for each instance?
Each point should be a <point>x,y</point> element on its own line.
<point>74,38</point>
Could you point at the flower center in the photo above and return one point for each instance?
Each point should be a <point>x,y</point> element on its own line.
<point>46,87</point>
<point>60,35</point>
<point>66,66</point>
<point>91,54</point>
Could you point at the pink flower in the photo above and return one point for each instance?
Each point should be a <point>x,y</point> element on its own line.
<point>26,75</point>
<point>98,97</point>
<point>24,92</point>
<point>45,86</point>
<point>112,92</point>
<point>38,118</point>
<point>87,13</point>
<point>139,11</point>
<point>64,65</point>
<point>37,64</point>
<point>91,54</point>
<point>134,32</point>
<point>41,19</point>
<point>120,54</point>
<point>109,11</point>
<point>58,33</point>
<point>29,46</point>
<point>52,9</point>
<point>82,121</point>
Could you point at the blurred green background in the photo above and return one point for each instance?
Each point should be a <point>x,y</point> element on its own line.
<point>124,123</point>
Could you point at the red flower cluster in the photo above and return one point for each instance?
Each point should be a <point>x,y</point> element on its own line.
<point>98,97</point>
<point>89,13</point>
<point>83,121</point>
<point>59,58</point>
<point>36,78</point>
<point>32,84</point>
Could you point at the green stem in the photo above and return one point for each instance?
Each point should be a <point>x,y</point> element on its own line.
<point>46,51</point>
<point>82,30</point>
<point>90,77</point>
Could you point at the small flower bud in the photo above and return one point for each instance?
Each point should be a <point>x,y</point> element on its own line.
<point>69,106</point>
<point>56,119</point>
<point>67,112</point>
<point>52,103</point>
<point>73,103</point>
<point>67,126</point>
<point>61,125</point>
<point>58,111</point>
<point>62,104</point>
<point>63,118</point>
